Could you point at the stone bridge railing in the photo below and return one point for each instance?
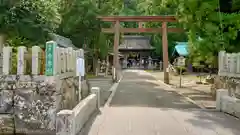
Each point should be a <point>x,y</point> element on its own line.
<point>45,83</point>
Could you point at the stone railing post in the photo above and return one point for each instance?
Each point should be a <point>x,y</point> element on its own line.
<point>7,62</point>
<point>74,62</point>
<point>221,62</point>
<point>59,60</point>
<point>238,64</point>
<point>98,67</point>
<point>70,60</point>
<point>21,64</point>
<point>220,94</point>
<point>96,90</point>
<point>36,54</point>
<point>65,123</point>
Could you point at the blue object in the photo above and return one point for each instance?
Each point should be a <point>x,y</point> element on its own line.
<point>181,49</point>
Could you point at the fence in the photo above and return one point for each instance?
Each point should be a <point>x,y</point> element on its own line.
<point>229,70</point>
<point>58,60</point>
<point>228,98</point>
<point>31,98</point>
<point>229,64</point>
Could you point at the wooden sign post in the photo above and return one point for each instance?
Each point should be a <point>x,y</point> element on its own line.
<point>50,56</point>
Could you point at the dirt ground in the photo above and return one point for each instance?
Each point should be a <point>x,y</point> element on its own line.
<point>199,93</point>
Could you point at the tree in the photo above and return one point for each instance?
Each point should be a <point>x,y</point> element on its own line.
<point>22,18</point>
<point>215,23</point>
<point>160,7</point>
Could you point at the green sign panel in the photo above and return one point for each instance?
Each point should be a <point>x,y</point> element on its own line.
<point>50,46</point>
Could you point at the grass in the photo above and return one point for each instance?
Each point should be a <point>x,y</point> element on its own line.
<point>91,75</point>
<point>148,70</point>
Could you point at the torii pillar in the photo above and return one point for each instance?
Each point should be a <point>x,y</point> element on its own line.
<point>115,56</point>
<point>165,52</point>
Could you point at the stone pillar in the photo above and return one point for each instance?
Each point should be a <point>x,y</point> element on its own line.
<point>36,62</point>
<point>220,93</point>
<point>21,63</point>
<point>96,90</point>
<point>64,123</point>
<point>150,65</point>
<point>98,67</point>
<point>1,52</point>
<point>7,61</point>
<point>238,65</point>
<point>161,65</point>
<point>107,68</point>
<point>221,62</point>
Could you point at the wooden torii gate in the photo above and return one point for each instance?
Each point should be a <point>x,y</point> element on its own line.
<point>140,19</point>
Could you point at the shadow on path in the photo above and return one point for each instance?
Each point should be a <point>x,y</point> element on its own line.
<point>136,90</point>
<point>143,107</point>
<point>139,90</point>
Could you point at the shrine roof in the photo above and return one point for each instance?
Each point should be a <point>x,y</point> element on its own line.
<point>135,42</point>
<point>181,48</point>
<point>62,41</point>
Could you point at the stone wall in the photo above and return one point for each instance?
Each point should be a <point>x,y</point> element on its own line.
<point>228,104</point>
<point>29,104</point>
<point>232,85</point>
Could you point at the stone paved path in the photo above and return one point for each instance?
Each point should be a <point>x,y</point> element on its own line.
<point>141,107</point>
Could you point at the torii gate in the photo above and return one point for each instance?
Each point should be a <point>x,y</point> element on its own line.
<point>140,19</point>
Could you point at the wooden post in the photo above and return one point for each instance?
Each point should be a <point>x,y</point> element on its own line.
<point>116,44</point>
<point>165,52</point>
<point>140,24</point>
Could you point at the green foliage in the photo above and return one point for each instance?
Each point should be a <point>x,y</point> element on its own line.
<point>103,46</point>
<point>217,30</point>
<point>28,22</point>
<point>160,7</point>
<point>79,21</point>
<point>22,18</point>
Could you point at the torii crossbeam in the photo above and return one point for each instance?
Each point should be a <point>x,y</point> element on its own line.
<point>140,19</point>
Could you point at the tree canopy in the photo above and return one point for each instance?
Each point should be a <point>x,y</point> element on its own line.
<point>210,25</point>
<point>29,20</point>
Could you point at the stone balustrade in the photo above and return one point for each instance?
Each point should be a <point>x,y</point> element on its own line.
<point>44,83</point>
<point>229,64</point>
<point>227,99</point>
<point>71,122</point>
